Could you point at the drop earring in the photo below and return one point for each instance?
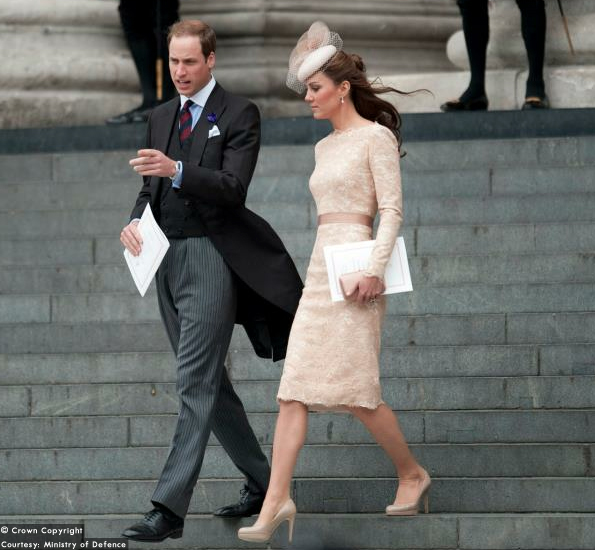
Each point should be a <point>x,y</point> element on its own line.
<point>342,100</point>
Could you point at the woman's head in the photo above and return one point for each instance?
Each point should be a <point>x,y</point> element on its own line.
<point>333,79</point>
<point>329,88</point>
<point>341,81</point>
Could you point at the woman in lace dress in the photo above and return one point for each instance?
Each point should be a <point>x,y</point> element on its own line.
<point>333,354</point>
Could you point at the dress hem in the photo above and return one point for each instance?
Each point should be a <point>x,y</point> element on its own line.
<point>335,406</point>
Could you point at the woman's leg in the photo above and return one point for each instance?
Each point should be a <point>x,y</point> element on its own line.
<point>384,426</point>
<point>290,435</point>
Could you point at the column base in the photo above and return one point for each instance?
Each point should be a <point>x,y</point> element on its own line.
<point>38,109</point>
<point>566,87</point>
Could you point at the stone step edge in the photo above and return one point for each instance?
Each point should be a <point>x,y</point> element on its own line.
<point>283,232</point>
<point>133,292</point>
<point>296,258</point>
<point>338,445</point>
<point>270,381</point>
<point>398,411</point>
<point>305,478</point>
<point>499,444</point>
<point>388,347</point>
<point>308,201</point>
<point>43,517</point>
<point>247,381</point>
<point>387,316</point>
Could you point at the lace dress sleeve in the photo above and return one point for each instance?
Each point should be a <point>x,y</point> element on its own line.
<point>383,155</point>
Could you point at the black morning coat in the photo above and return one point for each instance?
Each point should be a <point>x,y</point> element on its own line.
<point>216,180</point>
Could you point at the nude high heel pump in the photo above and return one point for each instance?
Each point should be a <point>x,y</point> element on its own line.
<point>264,533</point>
<point>412,508</point>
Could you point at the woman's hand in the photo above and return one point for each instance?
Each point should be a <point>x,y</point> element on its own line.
<point>369,288</point>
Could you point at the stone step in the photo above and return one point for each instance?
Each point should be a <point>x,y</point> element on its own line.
<point>444,393</point>
<point>424,330</point>
<point>101,221</point>
<point>496,269</point>
<point>447,300</point>
<point>434,531</point>
<point>298,159</point>
<point>453,182</point>
<point>465,185</point>
<point>496,426</point>
<point>396,362</point>
<point>535,208</point>
<point>495,239</point>
<point>287,216</point>
<point>317,461</point>
<point>312,495</point>
<point>421,241</point>
<point>431,330</point>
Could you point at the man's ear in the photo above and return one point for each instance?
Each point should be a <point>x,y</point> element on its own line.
<point>211,60</point>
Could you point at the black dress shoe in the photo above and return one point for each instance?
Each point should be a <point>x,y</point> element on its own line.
<point>157,525</point>
<point>536,102</point>
<point>138,114</point>
<point>249,504</point>
<point>142,115</point>
<point>475,104</point>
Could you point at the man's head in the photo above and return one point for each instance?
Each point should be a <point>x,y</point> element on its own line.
<point>192,46</point>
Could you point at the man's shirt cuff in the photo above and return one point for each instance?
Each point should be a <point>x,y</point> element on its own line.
<point>176,182</point>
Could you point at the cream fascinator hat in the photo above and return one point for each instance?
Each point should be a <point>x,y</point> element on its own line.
<point>312,51</point>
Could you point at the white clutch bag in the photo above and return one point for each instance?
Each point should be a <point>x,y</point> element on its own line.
<point>346,262</point>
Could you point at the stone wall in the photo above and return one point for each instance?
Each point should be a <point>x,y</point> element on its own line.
<point>66,61</point>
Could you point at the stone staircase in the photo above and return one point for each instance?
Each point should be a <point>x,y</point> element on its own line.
<point>490,361</point>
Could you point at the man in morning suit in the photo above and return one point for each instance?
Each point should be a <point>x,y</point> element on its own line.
<point>225,265</point>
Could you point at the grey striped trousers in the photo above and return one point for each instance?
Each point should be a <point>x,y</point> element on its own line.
<point>197,302</point>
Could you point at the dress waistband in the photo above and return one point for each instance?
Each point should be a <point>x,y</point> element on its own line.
<point>345,217</point>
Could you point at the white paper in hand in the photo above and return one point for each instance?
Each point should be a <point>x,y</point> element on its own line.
<point>350,257</point>
<point>155,244</point>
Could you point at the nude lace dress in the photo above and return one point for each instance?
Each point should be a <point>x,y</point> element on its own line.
<point>333,349</point>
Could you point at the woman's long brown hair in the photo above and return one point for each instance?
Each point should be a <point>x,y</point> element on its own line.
<point>364,94</point>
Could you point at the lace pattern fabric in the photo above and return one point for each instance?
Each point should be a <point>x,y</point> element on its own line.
<point>334,347</point>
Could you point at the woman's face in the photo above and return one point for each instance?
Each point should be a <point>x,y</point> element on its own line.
<point>323,96</point>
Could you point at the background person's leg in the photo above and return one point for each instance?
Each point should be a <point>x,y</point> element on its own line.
<point>533,25</point>
<point>169,16</point>
<point>476,28</point>
<point>137,17</point>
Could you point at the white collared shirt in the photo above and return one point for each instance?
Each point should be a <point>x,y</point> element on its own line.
<point>200,100</point>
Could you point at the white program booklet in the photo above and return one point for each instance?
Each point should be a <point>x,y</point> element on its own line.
<point>155,244</point>
<point>350,257</point>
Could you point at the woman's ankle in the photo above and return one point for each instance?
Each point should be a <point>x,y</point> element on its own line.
<point>415,473</point>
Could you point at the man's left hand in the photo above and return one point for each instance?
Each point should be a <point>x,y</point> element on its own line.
<point>151,162</point>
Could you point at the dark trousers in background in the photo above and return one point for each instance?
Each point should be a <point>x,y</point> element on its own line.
<point>477,31</point>
<point>197,301</point>
<point>146,24</point>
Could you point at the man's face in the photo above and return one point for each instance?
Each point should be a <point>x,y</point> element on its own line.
<point>190,70</point>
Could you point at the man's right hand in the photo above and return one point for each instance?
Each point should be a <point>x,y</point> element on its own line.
<point>131,239</point>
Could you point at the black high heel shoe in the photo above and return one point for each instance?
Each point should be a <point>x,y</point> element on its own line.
<point>476,104</point>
